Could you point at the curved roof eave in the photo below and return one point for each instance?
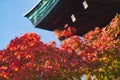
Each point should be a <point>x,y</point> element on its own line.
<point>32,8</point>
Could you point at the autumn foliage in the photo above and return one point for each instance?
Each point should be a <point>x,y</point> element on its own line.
<point>96,55</point>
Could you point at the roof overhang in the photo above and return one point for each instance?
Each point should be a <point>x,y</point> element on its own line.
<point>52,14</point>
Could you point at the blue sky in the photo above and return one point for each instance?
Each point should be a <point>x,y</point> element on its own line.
<point>13,23</point>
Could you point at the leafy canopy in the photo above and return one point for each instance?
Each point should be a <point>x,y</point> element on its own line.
<point>97,54</point>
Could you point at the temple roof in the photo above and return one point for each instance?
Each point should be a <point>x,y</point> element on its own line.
<point>84,15</point>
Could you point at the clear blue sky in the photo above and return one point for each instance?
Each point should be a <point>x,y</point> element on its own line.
<point>13,23</point>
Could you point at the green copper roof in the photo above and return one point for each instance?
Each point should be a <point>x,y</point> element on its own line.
<point>40,11</point>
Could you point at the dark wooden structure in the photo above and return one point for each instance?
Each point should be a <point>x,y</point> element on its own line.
<point>54,14</point>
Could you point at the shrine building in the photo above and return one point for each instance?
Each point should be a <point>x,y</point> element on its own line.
<point>84,15</point>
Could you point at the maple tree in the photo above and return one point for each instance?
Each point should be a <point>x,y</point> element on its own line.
<point>97,55</point>
<point>65,33</point>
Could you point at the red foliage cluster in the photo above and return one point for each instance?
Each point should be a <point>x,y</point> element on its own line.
<point>97,53</point>
<point>99,49</point>
<point>66,33</point>
<point>26,57</point>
